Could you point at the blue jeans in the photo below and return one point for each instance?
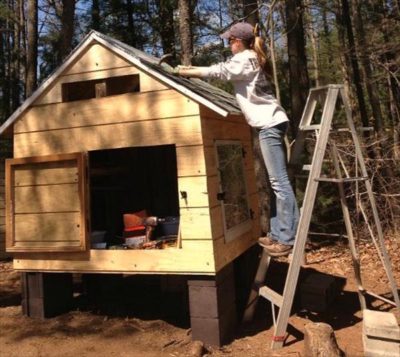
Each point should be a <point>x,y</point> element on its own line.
<point>284,216</point>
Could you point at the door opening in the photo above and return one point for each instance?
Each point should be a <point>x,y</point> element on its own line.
<point>130,184</point>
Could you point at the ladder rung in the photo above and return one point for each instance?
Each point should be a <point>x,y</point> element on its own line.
<point>310,127</point>
<point>271,295</point>
<point>325,88</point>
<point>339,180</point>
<point>380,297</point>
<point>306,167</point>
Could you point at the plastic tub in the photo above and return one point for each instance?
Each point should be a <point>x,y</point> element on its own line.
<point>98,236</point>
<point>169,227</point>
<point>98,245</point>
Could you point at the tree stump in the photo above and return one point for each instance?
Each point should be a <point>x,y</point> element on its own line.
<point>320,341</point>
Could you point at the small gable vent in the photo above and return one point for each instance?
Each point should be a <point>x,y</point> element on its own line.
<point>98,88</point>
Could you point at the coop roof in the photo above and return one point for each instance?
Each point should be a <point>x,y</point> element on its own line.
<point>200,91</point>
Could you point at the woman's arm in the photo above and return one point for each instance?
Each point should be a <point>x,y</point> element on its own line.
<point>238,68</point>
<point>192,71</point>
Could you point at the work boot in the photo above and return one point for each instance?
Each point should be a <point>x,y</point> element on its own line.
<point>266,241</point>
<point>278,249</point>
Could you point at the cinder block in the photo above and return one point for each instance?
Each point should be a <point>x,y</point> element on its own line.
<point>213,307</point>
<point>319,290</point>
<point>381,334</point>
<point>214,331</point>
<point>211,301</point>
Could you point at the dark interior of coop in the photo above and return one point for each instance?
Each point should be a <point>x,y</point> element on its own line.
<point>130,180</point>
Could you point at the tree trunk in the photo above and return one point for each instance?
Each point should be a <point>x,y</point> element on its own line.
<point>167,32</point>
<point>392,67</point>
<point>298,74</point>
<point>345,59</point>
<point>366,66</point>
<point>271,27</point>
<point>250,11</point>
<point>347,23</point>
<point>7,68</point>
<point>131,27</point>
<point>2,72</point>
<point>185,31</point>
<point>95,15</point>
<point>313,36</point>
<point>67,28</point>
<point>31,58</point>
<point>327,38</point>
<point>16,55</point>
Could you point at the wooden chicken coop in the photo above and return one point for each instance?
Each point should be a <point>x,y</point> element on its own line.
<point>110,133</point>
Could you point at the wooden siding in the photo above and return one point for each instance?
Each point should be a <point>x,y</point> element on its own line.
<point>140,120</point>
<point>96,58</point>
<point>53,94</point>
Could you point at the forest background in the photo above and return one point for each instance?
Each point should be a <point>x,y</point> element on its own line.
<point>311,43</point>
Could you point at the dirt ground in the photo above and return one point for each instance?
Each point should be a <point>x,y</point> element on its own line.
<point>153,321</point>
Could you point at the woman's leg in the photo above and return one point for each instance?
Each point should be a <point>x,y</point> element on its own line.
<point>284,211</point>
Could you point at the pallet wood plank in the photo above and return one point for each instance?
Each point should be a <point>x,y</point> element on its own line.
<point>196,191</point>
<point>198,260</point>
<point>128,107</point>
<point>190,160</point>
<point>195,223</point>
<point>46,173</point>
<point>179,131</point>
<point>224,130</point>
<point>47,198</point>
<point>96,58</point>
<point>47,227</point>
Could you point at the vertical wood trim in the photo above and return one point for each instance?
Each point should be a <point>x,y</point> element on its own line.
<point>9,205</point>
<point>83,198</point>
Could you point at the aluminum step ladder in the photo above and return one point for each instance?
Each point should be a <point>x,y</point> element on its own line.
<point>327,97</point>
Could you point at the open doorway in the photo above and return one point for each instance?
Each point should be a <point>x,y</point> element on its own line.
<point>130,180</point>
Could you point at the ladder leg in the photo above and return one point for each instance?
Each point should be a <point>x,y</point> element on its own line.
<point>305,219</point>
<point>383,250</point>
<point>349,228</point>
<point>371,197</point>
<point>258,281</point>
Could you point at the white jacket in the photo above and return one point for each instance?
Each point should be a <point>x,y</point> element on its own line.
<point>253,91</point>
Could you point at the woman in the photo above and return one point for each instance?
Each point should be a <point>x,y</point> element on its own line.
<point>248,71</point>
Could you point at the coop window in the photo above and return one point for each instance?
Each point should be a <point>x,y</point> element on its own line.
<point>98,88</point>
<point>233,191</point>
